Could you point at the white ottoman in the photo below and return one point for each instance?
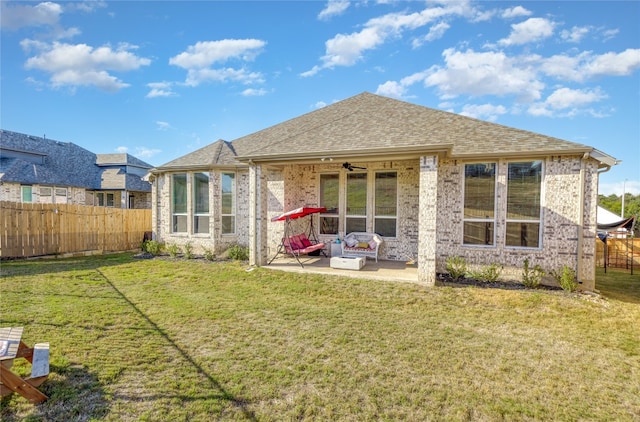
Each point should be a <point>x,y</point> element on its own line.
<point>348,262</point>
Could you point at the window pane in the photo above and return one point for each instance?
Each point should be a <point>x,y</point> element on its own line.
<point>201,193</point>
<point>386,194</point>
<point>386,227</point>
<point>180,193</point>
<point>478,233</point>
<point>329,192</point>
<point>100,196</point>
<point>523,190</point>
<point>110,200</point>
<point>479,190</point>
<point>27,194</point>
<point>356,225</point>
<point>200,224</point>
<point>523,234</point>
<point>329,225</point>
<point>228,224</point>
<point>179,223</point>
<point>228,193</point>
<point>357,194</point>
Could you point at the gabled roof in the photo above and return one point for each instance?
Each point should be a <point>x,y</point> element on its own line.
<point>372,124</point>
<point>220,153</point>
<point>30,159</point>
<point>373,127</point>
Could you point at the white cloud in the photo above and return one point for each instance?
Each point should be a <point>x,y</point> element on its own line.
<point>76,65</point>
<point>348,49</point>
<point>483,111</point>
<point>576,33</point>
<point>616,188</point>
<point>531,30</point>
<point>163,126</point>
<point>586,65</point>
<point>565,102</point>
<point>435,32</point>
<point>399,89</point>
<point>487,73</point>
<point>515,12</point>
<point>206,53</point>
<point>146,153</point>
<point>333,8</point>
<point>251,92</point>
<point>160,89</point>
<point>18,16</point>
<point>122,150</point>
<point>199,58</point>
<point>197,76</point>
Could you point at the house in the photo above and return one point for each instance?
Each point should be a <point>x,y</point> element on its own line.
<point>433,184</point>
<point>34,169</point>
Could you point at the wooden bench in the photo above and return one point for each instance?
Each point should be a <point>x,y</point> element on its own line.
<point>38,356</point>
<point>361,244</point>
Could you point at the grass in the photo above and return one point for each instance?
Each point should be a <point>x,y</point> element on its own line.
<point>150,340</point>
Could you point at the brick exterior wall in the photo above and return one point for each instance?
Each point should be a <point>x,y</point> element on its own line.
<point>430,214</point>
<point>214,240</point>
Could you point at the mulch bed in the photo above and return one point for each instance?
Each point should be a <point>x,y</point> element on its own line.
<point>446,280</point>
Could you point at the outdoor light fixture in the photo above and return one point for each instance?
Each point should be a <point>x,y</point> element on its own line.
<point>349,167</point>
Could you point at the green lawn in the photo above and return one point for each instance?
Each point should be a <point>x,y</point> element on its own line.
<point>160,340</point>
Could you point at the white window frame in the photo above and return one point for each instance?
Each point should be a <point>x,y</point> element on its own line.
<point>24,188</point>
<point>373,208</point>
<point>175,214</point>
<point>495,206</point>
<point>367,204</point>
<point>194,196</point>
<point>540,211</point>
<point>335,215</point>
<point>234,197</point>
<point>46,194</point>
<point>61,193</point>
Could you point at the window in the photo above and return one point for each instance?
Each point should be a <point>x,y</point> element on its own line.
<point>100,197</point>
<point>179,203</point>
<point>385,209</point>
<point>61,195</point>
<point>479,203</point>
<point>46,195</point>
<point>356,216</point>
<point>201,202</point>
<point>27,193</point>
<point>524,186</point>
<point>329,198</point>
<point>228,203</point>
<point>110,200</point>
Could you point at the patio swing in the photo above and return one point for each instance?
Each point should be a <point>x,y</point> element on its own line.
<point>299,244</point>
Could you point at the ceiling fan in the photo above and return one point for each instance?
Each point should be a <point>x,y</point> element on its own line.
<point>349,167</point>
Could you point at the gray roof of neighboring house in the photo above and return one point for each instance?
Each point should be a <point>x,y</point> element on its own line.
<point>120,159</point>
<point>369,125</point>
<point>30,159</point>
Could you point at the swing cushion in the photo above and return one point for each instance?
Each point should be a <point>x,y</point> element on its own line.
<point>300,245</point>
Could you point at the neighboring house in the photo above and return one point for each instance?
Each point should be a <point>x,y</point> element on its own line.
<point>34,169</point>
<point>434,184</point>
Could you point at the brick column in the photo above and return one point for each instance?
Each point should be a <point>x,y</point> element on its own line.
<point>257,216</point>
<point>427,214</point>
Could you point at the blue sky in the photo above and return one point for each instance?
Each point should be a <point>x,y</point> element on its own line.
<point>161,79</point>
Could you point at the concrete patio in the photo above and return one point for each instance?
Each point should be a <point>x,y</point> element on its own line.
<point>381,270</point>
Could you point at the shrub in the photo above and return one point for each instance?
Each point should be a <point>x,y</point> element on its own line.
<point>456,266</point>
<point>238,252</point>
<point>208,254</point>
<point>531,276</point>
<point>566,278</point>
<point>188,250</point>
<point>488,274</point>
<point>173,250</point>
<point>153,247</point>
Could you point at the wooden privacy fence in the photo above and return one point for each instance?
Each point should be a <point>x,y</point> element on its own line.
<point>50,229</point>
<point>621,253</point>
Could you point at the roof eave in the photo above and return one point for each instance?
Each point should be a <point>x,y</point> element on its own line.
<point>369,154</point>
